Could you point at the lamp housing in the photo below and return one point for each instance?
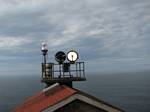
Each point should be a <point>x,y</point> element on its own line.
<point>60,57</point>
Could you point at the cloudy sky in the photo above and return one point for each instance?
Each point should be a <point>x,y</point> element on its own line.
<point>110,35</point>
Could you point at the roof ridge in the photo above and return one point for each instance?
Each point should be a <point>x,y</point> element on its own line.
<point>51,87</point>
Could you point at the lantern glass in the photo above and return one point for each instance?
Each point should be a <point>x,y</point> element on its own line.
<point>44,46</point>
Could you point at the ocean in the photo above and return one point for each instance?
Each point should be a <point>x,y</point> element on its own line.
<point>128,91</point>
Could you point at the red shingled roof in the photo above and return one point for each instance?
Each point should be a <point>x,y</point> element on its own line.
<point>44,99</point>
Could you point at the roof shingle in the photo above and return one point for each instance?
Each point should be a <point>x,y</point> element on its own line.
<point>44,99</point>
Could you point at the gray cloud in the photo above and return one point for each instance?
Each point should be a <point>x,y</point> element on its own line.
<point>105,32</point>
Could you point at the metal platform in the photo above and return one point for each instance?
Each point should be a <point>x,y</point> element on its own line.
<point>63,73</point>
<point>63,79</point>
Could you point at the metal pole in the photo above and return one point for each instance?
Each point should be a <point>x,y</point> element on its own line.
<point>44,54</point>
<point>45,65</point>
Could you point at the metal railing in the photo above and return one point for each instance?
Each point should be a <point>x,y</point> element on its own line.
<point>65,70</point>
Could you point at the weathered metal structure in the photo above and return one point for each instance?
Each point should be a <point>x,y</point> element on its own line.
<point>63,72</point>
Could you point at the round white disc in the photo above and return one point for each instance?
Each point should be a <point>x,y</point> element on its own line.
<point>72,56</point>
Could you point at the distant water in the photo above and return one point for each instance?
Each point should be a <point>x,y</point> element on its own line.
<point>130,92</point>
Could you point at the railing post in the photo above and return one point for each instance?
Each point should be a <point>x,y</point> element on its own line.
<point>80,69</point>
<point>77,69</point>
<point>83,70</point>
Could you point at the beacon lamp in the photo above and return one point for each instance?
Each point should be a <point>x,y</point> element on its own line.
<point>72,56</point>
<point>44,48</point>
<point>60,57</point>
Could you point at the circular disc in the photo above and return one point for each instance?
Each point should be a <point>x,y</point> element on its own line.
<point>72,56</point>
<point>60,57</point>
